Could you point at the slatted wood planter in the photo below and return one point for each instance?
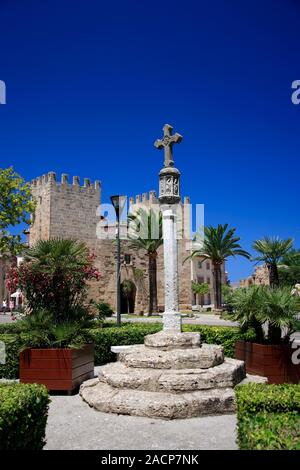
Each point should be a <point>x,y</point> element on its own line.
<point>271,361</point>
<point>58,369</point>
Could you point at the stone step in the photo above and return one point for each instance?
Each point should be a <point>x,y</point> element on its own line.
<point>228,374</point>
<point>168,341</point>
<point>107,399</point>
<point>204,357</point>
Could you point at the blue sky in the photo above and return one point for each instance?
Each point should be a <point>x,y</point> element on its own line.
<point>91,83</point>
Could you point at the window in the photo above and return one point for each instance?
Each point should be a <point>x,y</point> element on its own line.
<point>200,279</point>
<point>127,259</point>
<point>208,280</point>
<point>199,264</point>
<point>208,265</point>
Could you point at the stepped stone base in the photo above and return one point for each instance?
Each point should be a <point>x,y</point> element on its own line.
<point>108,399</point>
<point>171,376</point>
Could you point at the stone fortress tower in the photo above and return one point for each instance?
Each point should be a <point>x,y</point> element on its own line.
<point>71,210</point>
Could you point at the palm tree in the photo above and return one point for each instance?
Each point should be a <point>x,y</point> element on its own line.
<point>145,232</point>
<point>58,259</point>
<point>271,251</point>
<point>200,289</point>
<point>279,308</point>
<point>127,289</point>
<point>218,245</point>
<point>245,304</point>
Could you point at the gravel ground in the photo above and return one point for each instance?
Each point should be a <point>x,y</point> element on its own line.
<point>73,425</point>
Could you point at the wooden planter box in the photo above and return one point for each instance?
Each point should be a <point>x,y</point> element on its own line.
<point>271,361</point>
<point>58,369</point>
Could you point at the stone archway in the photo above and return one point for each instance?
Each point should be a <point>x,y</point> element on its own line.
<point>128,296</point>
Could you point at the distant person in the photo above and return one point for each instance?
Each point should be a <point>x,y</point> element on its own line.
<point>11,305</point>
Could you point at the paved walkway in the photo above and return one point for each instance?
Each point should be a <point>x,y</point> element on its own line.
<point>73,425</point>
<point>5,318</point>
<point>203,319</point>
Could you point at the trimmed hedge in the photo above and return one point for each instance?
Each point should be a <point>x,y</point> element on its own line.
<point>23,416</point>
<point>10,327</point>
<point>134,333</point>
<point>129,333</point>
<point>226,336</point>
<point>10,370</point>
<point>111,336</point>
<point>268,417</point>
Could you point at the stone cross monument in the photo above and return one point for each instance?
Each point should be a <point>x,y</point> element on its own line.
<point>172,375</point>
<point>169,196</point>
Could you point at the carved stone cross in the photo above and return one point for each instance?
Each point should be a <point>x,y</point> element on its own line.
<point>167,143</point>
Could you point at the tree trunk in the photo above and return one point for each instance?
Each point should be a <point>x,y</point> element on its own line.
<point>217,286</point>
<point>273,274</point>
<point>259,332</point>
<point>202,300</point>
<point>152,283</point>
<point>274,332</point>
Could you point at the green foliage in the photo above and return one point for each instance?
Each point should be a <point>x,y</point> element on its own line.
<point>292,258</point>
<point>254,398</point>
<point>219,244</point>
<point>134,334</point>
<point>271,250</point>
<point>54,279</point>
<point>244,305</point>
<point>10,370</point>
<point>54,276</point>
<point>129,333</point>
<point>145,229</point>
<point>223,335</point>
<point>253,306</point>
<point>268,416</point>
<point>289,275</point>
<point>200,288</point>
<point>279,308</point>
<point>270,431</point>
<point>126,335</point>
<point>16,205</point>
<point>226,292</point>
<point>14,327</point>
<point>23,416</point>
<point>42,331</point>
<point>103,310</point>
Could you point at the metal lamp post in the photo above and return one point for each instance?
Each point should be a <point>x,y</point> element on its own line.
<point>118,202</point>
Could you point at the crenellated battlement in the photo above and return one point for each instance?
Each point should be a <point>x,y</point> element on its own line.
<point>50,178</point>
<point>151,198</point>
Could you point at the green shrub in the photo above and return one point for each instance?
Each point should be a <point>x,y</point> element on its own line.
<point>111,336</point>
<point>23,416</point>
<point>129,333</point>
<point>103,310</point>
<point>11,327</point>
<point>268,416</point>
<point>270,431</point>
<point>10,370</point>
<point>223,335</point>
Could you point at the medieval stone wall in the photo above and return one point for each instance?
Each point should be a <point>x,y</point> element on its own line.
<point>70,211</point>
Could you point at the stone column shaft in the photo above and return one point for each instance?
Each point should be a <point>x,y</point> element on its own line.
<point>171,316</point>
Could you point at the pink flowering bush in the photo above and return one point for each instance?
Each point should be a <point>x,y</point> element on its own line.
<point>54,276</point>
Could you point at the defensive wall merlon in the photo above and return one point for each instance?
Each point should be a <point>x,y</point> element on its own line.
<point>51,179</point>
<point>150,198</point>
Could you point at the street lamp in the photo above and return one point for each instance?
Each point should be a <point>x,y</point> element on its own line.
<point>119,203</point>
